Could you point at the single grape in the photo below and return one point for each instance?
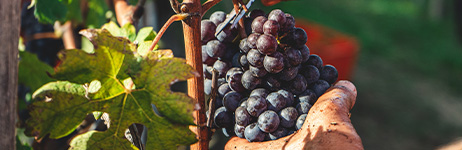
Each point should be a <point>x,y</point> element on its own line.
<point>223,118</point>
<point>305,51</point>
<point>244,46</point>
<point>268,121</point>
<point>216,49</point>
<point>253,133</point>
<point>227,34</point>
<point>329,74</point>
<point>218,17</point>
<point>239,130</point>
<point>294,56</point>
<point>207,86</point>
<point>242,117</point>
<point>276,101</point>
<point>274,63</point>
<point>303,108</point>
<point>235,82</point>
<point>300,37</point>
<point>222,67</point>
<point>277,15</point>
<point>257,24</point>
<point>223,89</point>
<point>255,58</point>
<point>314,60</point>
<point>300,121</point>
<point>288,117</point>
<point>252,40</point>
<point>267,44</point>
<point>290,23</point>
<point>244,62</point>
<point>256,105</point>
<point>308,96</point>
<point>258,71</point>
<point>231,73</point>
<point>288,73</point>
<point>207,30</point>
<point>311,74</point>
<point>259,92</point>
<point>298,84</point>
<point>271,27</point>
<point>279,133</point>
<point>319,87</point>
<point>255,13</point>
<point>249,81</point>
<point>271,83</point>
<point>288,96</point>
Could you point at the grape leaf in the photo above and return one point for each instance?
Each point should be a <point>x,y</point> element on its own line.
<point>49,11</point>
<point>32,72</point>
<point>130,85</point>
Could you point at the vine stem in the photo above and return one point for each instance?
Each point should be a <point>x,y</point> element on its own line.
<point>176,17</point>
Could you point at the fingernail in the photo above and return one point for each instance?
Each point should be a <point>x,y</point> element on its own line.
<point>350,86</point>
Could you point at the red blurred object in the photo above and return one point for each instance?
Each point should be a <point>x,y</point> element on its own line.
<point>332,46</point>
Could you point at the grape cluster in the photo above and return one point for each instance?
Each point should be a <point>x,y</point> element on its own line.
<point>268,80</point>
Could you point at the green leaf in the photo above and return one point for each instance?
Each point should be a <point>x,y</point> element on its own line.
<point>96,16</point>
<point>129,85</point>
<point>49,11</point>
<point>128,30</point>
<point>32,72</point>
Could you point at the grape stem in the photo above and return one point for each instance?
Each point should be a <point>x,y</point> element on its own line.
<point>176,17</point>
<point>212,98</point>
<point>207,5</point>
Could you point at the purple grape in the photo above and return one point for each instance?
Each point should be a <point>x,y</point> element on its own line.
<point>218,17</point>
<point>207,30</point>
<point>294,56</point>
<point>223,89</point>
<point>231,100</point>
<point>279,133</point>
<point>242,117</point>
<point>319,87</point>
<point>239,130</point>
<point>222,67</point>
<point>207,86</point>
<point>259,92</point>
<point>329,74</point>
<point>275,101</point>
<point>288,96</point>
<point>216,49</point>
<point>206,59</point>
<point>252,40</point>
<point>267,44</point>
<point>290,23</point>
<point>257,24</point>
<point>235,82</point>
<point>288,73</point>
<point>258,72</point>
<point>303,108</point>
<point>271,27</point>
<point>223,118</point>
<point>255,58</point>
<point>249,81</point>
<point>308,96</point>
<point>311,74</point>
<point>243,61</point>
<point>244,103</point>
<point>300,120</point>
<point>232,71</point>
<point>298,84</point>
<point>300,37</point>
<point>253,133</point>
<point>271,83</point>
<point>274,63</point>
<point>255,13</point>
<point>314,60</point>
<point>277,15</point>
<point>305,51</point>
<point>228,131</point>
<point>268,121</point>
<point>244,46</point>
<point>288,117</point>
<point>256,105</point>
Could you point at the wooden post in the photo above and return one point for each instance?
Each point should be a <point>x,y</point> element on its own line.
<point>192,35</point>
<point>10,14</point>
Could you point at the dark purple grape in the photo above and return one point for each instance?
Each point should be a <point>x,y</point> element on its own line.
<point>216,49</point>
<point>252,40</point>
<point>256,105</point>
<point>228,131</point>
<point>288,117</point>
<point>230,52</point>
<point>232,71</point>
<point>242,117</point>
<point>235,83</point>
<point>244,103</point>
<point>294,56</point>
<point>243,61</point>
<point>255,58</point>
<point>274,63</point>
<point>249,81</point>
<point>223,118</point>
<point>276,101</point>
<point>227,34</point>
<point>223,89</point>
<point>259,92</point>
<point>257,24</point>
<point>271,83</point>
<point>255,13</point>
<point>288,96</point>
<point>218,17</point>
<point>288,73</point>
<point>311,74</point>
<point>207,74</point>
<point>239,130</point>
<point>207,86</point>
<point>244,46</point>
<point>314,60</point>
<point>219,102</point>
<point>300,121</point>
<point>319,87</point>
<point>235,61</point>
<point>329,74</point>
<point>258,72</point>
<point>308,96</point>
<point>267,44</point>
<point>305,51</point>
<point>277,15</point>
<point>268,121</point>
<point>222,67</point>
<point>300,37</point>
<point>253,133</point>
<point>231,100</point>
<point>208,29</point>
<point>290,23</point>
<point>303,108</point>
<point>279,133</point>
<point>271,27</point>
<point>206,59</point>
<point>298,84</point>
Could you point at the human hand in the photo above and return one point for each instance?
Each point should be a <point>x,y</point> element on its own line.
<point>327,126</point>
